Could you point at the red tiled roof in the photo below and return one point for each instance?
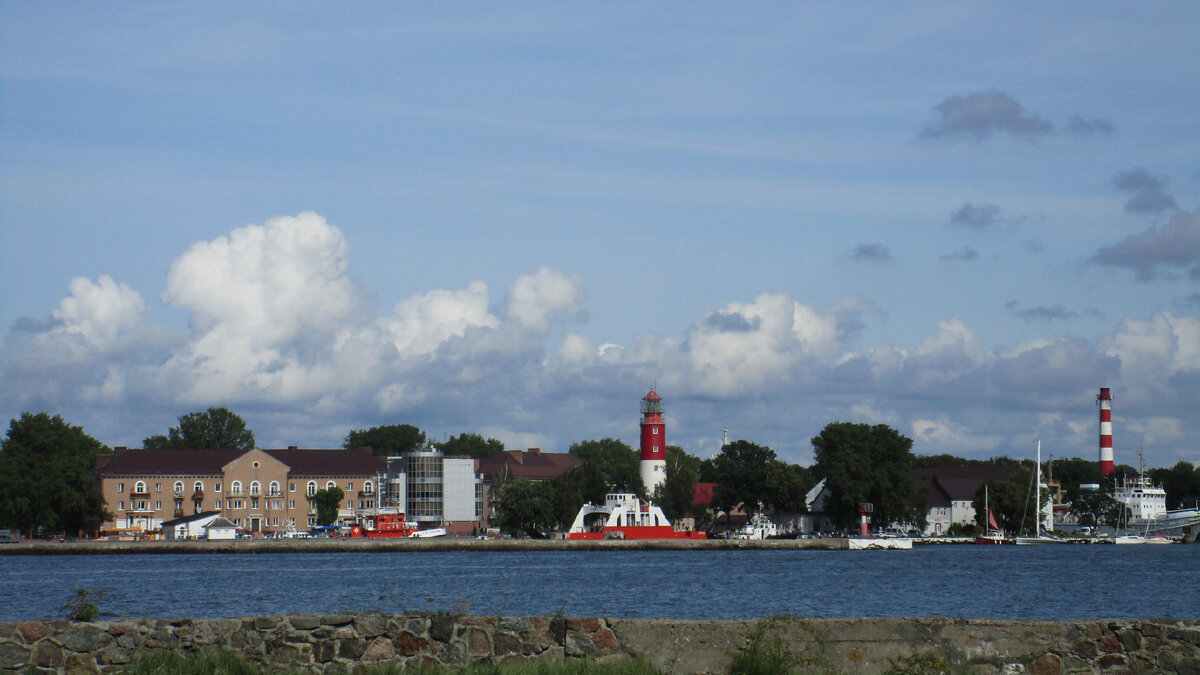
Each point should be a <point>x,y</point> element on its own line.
<point>355,462</point>
<point>136,461</point>
<point>210,462</point>
<point>532,465</point>
<point>957,483</point>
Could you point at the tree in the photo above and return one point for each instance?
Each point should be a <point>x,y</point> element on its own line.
<point>571,490</point>
<point>675,495</point>
<point>470,445</point>
<point>1011,501</point>
<point>387,441</point>
<point>864,463</point>
<point>741,472</point>
<point>1182,483</point>
<point>1096,507</point>
<point>47,477</point>
<point>616,460</point>
<point>328,501</point>
<point>213,429</point>
<point>526,506</point>
<point>787,486</point>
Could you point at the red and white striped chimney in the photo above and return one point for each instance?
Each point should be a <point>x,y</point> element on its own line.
<point>1106,449</point>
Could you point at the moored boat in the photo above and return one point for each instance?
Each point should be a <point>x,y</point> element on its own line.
<point>384,526</point>
<point>624,516</point>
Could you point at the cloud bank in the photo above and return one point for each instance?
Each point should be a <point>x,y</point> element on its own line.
<point>981,115</point>
<point>280,330</point>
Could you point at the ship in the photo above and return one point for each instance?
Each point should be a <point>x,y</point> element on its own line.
<point>624,516</point>
<point>384,526</point>
<point>1145,506</point>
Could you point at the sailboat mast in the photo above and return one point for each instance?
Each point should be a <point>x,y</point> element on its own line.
<point>1037,498</point>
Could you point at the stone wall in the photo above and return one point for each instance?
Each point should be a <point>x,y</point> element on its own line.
<point>320,642</point>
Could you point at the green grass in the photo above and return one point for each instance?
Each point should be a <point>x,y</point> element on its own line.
<point>226,663</point>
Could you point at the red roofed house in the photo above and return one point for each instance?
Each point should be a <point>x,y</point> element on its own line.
<point>952,491</point>
<point>532,464</point>
<point>258,490</point>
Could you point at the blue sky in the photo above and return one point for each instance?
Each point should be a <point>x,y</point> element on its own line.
<point>960,220</point>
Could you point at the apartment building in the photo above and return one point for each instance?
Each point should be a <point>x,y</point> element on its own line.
<point>259,490</point>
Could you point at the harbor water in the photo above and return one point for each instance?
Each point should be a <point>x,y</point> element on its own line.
<point>1038,582</point>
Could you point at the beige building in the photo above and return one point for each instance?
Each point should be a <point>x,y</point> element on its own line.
<point>260,491</point>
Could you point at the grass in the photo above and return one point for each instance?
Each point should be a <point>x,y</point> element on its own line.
<point>226,663</point>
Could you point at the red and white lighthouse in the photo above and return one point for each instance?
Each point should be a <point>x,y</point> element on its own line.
<point>654,442</point>
<point>1106,448</point>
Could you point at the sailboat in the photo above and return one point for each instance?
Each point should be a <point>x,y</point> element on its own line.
<point>1038,536</point>
<point>993,535</point>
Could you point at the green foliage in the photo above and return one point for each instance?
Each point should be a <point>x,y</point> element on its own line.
<point>616,461</point>
<point>571,490</point>
<point>936,461</point>
<point>213,429</point>
<point>864,463</point>
<point>47,477</point>
<point>918,664</point>
<point>526,506</point>
<point>741,472</point>
<point>205,662</point>
<point>767,653</point>
<point>328,501</point>
<point>1011,501</point>
<point>1070,472</point>
<point>82,605</point>
<point>1182,483</point>
<point>470,445</point>
<point>674,496</point>
<point>787,486</point>
<point>387,441</point>
<point>1096,507</point>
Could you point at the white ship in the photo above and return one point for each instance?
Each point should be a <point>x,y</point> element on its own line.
<point>1145,507</point>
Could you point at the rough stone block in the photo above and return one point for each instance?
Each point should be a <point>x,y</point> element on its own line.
<point>351,648</point>
<point>50,655</point>
<point>1131,640</point>
<point>83,638</point>
<point>80,664</point>
<point>114,655</point>
<point>370,625</point>
<point>441,628</point>
<point>1110,661</point>
<point>336,619</point>
<point>32,631</point>
<point>265,622</point>
<point>478,643</point>
<point>304,622</point>
<point>1085,649</point>
<point>380,649</point>
<point>1048,664</point>
<point>324,651</point>
<point>13,655</point>
<point>505,643</point>
<point>410,645</point>
<point>605,640</point>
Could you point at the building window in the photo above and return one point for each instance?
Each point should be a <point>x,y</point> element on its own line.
<point>330,484</point>
<point>254,503</point>
<point>121,505</point>
<point>255,488</point>
<point>179,486</point>
<point>158,506</point>
<point>311,489</point>
<point>139,488</point>
<point>291,487</point>
<point>217,487</point>
<point>367,486</point>
<point>350,486</point>
<point>198,487</point>
<point>218,505</point>
<point>236,487</point>
<point>158,487</point>
<point>274,488</point>
<point>292,504</point>
<point>655,430</point>
<point>120,487</point>
<point>312,522</point>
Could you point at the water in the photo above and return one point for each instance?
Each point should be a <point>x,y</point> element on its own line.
<point>1037,582</point>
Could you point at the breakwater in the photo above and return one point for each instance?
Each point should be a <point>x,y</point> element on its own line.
<point>320,642</point>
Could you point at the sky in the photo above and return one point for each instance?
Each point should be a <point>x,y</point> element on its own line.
<point>515,219</point>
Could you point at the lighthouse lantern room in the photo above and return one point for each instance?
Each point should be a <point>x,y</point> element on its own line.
<point>654,442</point>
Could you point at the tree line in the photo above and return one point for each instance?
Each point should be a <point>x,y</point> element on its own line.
<point>47,478</point>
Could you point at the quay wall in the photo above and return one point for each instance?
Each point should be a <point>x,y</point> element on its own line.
<point>340,642</point>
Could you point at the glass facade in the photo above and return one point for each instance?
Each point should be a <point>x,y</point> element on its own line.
<point>425,486</point>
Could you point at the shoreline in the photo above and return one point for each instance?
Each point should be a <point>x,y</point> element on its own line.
<point>441,544</point>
